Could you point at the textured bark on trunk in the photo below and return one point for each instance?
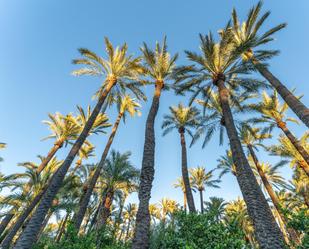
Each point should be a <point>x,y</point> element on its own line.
<point>266,229</point>
<point>294,103</point>
<point>301,150</point>
<point>289,231</point>
<point>79,216</point>
<point>106,210</point>
<point>6,220</point>
<point>185,173</point>
<point>141,236</point>
<point>29,235</point>
<point>202,201</point>
<point>21,219</point>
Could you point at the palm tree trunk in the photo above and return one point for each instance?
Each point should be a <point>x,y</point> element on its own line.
<point>202,201</point>
<point>266,229</point>
<point>291,232</point>
<point>95,216</point>
<point>106,210</point>
<point>62,228</point>
<point>21,219</point>
<point>185,174</point>
<point>141,236</point>
<point>296,144</point>
<point>44,224</point>
<point>294,103</point>
<point>79,216</point>
<point>29,235</point>
<point>41,167</point>
<point>185,201</point>
<point>6,220</point>
<point>128,230</point>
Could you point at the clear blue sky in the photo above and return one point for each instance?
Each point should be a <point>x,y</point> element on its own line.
<point>40,38</point>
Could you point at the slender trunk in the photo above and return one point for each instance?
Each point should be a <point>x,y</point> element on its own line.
<point>44,225</point>
<point>141,236</point>
<point>21,219</point>
<point>41,167</point>
<point>202,201</point>
<point>79,216</point>
<point>95,216</point>
<point>296,144</point>
<point>118,218</point>
<point>184,170</point>
<point>106,211</point>
<point>128,230</point>
<point>291,232</point>
<point>294,103</point>
<point>185,201</point>
<point>29,235</point>
<point>266,229</point>
<point>62,228</point>
<point>6,220</point>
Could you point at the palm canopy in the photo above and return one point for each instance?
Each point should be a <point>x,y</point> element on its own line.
<point>181,118</point>
<point>213,120</point>
<point>118,67</point>
<point>271,110</point>
<point>127,104</point>
<point>216,207</point>
<point>249,33</point>
<point>158,64</point>
<point>286,149</point>
<point>63,128</point>
<point>226,164</point>
<point>119,172</point>
<point>200,178</point>
<point>216,61</point>
<point>168,207</point>
<point>180,184</point>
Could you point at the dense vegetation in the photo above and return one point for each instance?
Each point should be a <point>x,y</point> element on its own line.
<point>69,203</point>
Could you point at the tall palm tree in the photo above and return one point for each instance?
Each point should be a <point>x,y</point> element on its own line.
<point>126,104</point>
<point>86,151</point>
<point>167,207</point>
<point>249,33</point>
<point>218,65</point>
<point>216,207</point>
<point>118,174</point>
<point>180,184</point>
<point>200,178</point>
<point>274,115</point>
<point>287,150</point>
<point>119,69</point>
<point>226,164</point>
<point>184,119</point>
<point>159,67</point>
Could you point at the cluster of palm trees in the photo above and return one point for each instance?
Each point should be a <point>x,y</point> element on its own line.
<point>219,80</point>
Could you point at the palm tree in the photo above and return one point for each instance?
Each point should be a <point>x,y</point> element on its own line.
<point>218,65</point>
<point>119,69</point>
<point>167,207</point>
<point>118,174</point>
<point>184,119</point>
<point>159,67</point>
<point>180,184</point>
<point>86,151</point>
<point>248,33</point>
<point>154,212</point>
<point>126,104</point>
<point>226,164</point>
<point>274,114</point>
<point>287,150</point>
<point>300,186</point>
<point>200,178</point>
<point>129,215</point>
<point>216,207</point>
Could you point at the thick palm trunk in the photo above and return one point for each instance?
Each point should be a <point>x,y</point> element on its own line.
<point>21,219</point>
<point>41,167</point>
<point>6,220</point>
<point>105,211</point>
<point>29,235</point>
<point>202,201</point>
<point>294,103</point>
<point>141,236</point>
<point>290,231</point>
<point>79,216</point>
<point>185,174</point>
<point>297,146</point>
<point>266,229</point>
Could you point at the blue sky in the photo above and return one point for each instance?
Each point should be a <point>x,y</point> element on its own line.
<point>40,38</point>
